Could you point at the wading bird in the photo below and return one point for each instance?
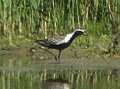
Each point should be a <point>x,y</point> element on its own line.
<point>60,44</point>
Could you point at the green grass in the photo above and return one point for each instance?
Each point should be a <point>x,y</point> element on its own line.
<point>44,19</point>
<point>43,16</point>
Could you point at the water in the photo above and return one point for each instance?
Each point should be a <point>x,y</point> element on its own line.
<point>65,79</point>
<point>23,71</point>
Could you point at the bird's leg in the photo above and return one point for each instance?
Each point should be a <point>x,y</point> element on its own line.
<point>50,53</point>
<point>59,55</point>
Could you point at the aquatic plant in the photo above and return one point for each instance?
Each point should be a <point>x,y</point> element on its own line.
<point>46,18</point>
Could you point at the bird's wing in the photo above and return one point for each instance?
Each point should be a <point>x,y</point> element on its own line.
<point>43,42</point>
<point>57,39</point>
<point>53,40</point>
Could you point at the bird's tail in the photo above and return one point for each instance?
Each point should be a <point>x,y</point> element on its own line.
<point>42,42</point>
<point>39,42</point>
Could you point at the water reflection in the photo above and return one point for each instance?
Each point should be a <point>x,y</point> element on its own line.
<point>56,84</point>
<point>66,79</point>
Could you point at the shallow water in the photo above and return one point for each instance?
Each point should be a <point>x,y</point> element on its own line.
<point>30,71</point>
<point>66,79</point>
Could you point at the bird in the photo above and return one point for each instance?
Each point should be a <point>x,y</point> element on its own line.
<point>60,45</point>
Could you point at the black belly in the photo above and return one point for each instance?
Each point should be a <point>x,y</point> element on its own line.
<point>60,46</point>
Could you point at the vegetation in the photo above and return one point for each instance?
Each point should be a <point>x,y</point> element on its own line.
<point>83,79</point>
<point>21,20</point>
<point>45,18</point>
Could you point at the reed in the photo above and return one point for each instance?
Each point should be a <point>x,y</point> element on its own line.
<point>77,79</point>
<point>27,16</point>
<point>46,18</point>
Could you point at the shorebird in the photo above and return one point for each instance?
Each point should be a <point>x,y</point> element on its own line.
<point>60,44</point>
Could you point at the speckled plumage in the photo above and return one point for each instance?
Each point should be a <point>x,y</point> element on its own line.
<point>60,44</point>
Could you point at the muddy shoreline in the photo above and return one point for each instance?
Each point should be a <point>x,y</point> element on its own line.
<point>72,59</point>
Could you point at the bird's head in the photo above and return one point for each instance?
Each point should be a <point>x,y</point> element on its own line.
<point>79,32</point>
